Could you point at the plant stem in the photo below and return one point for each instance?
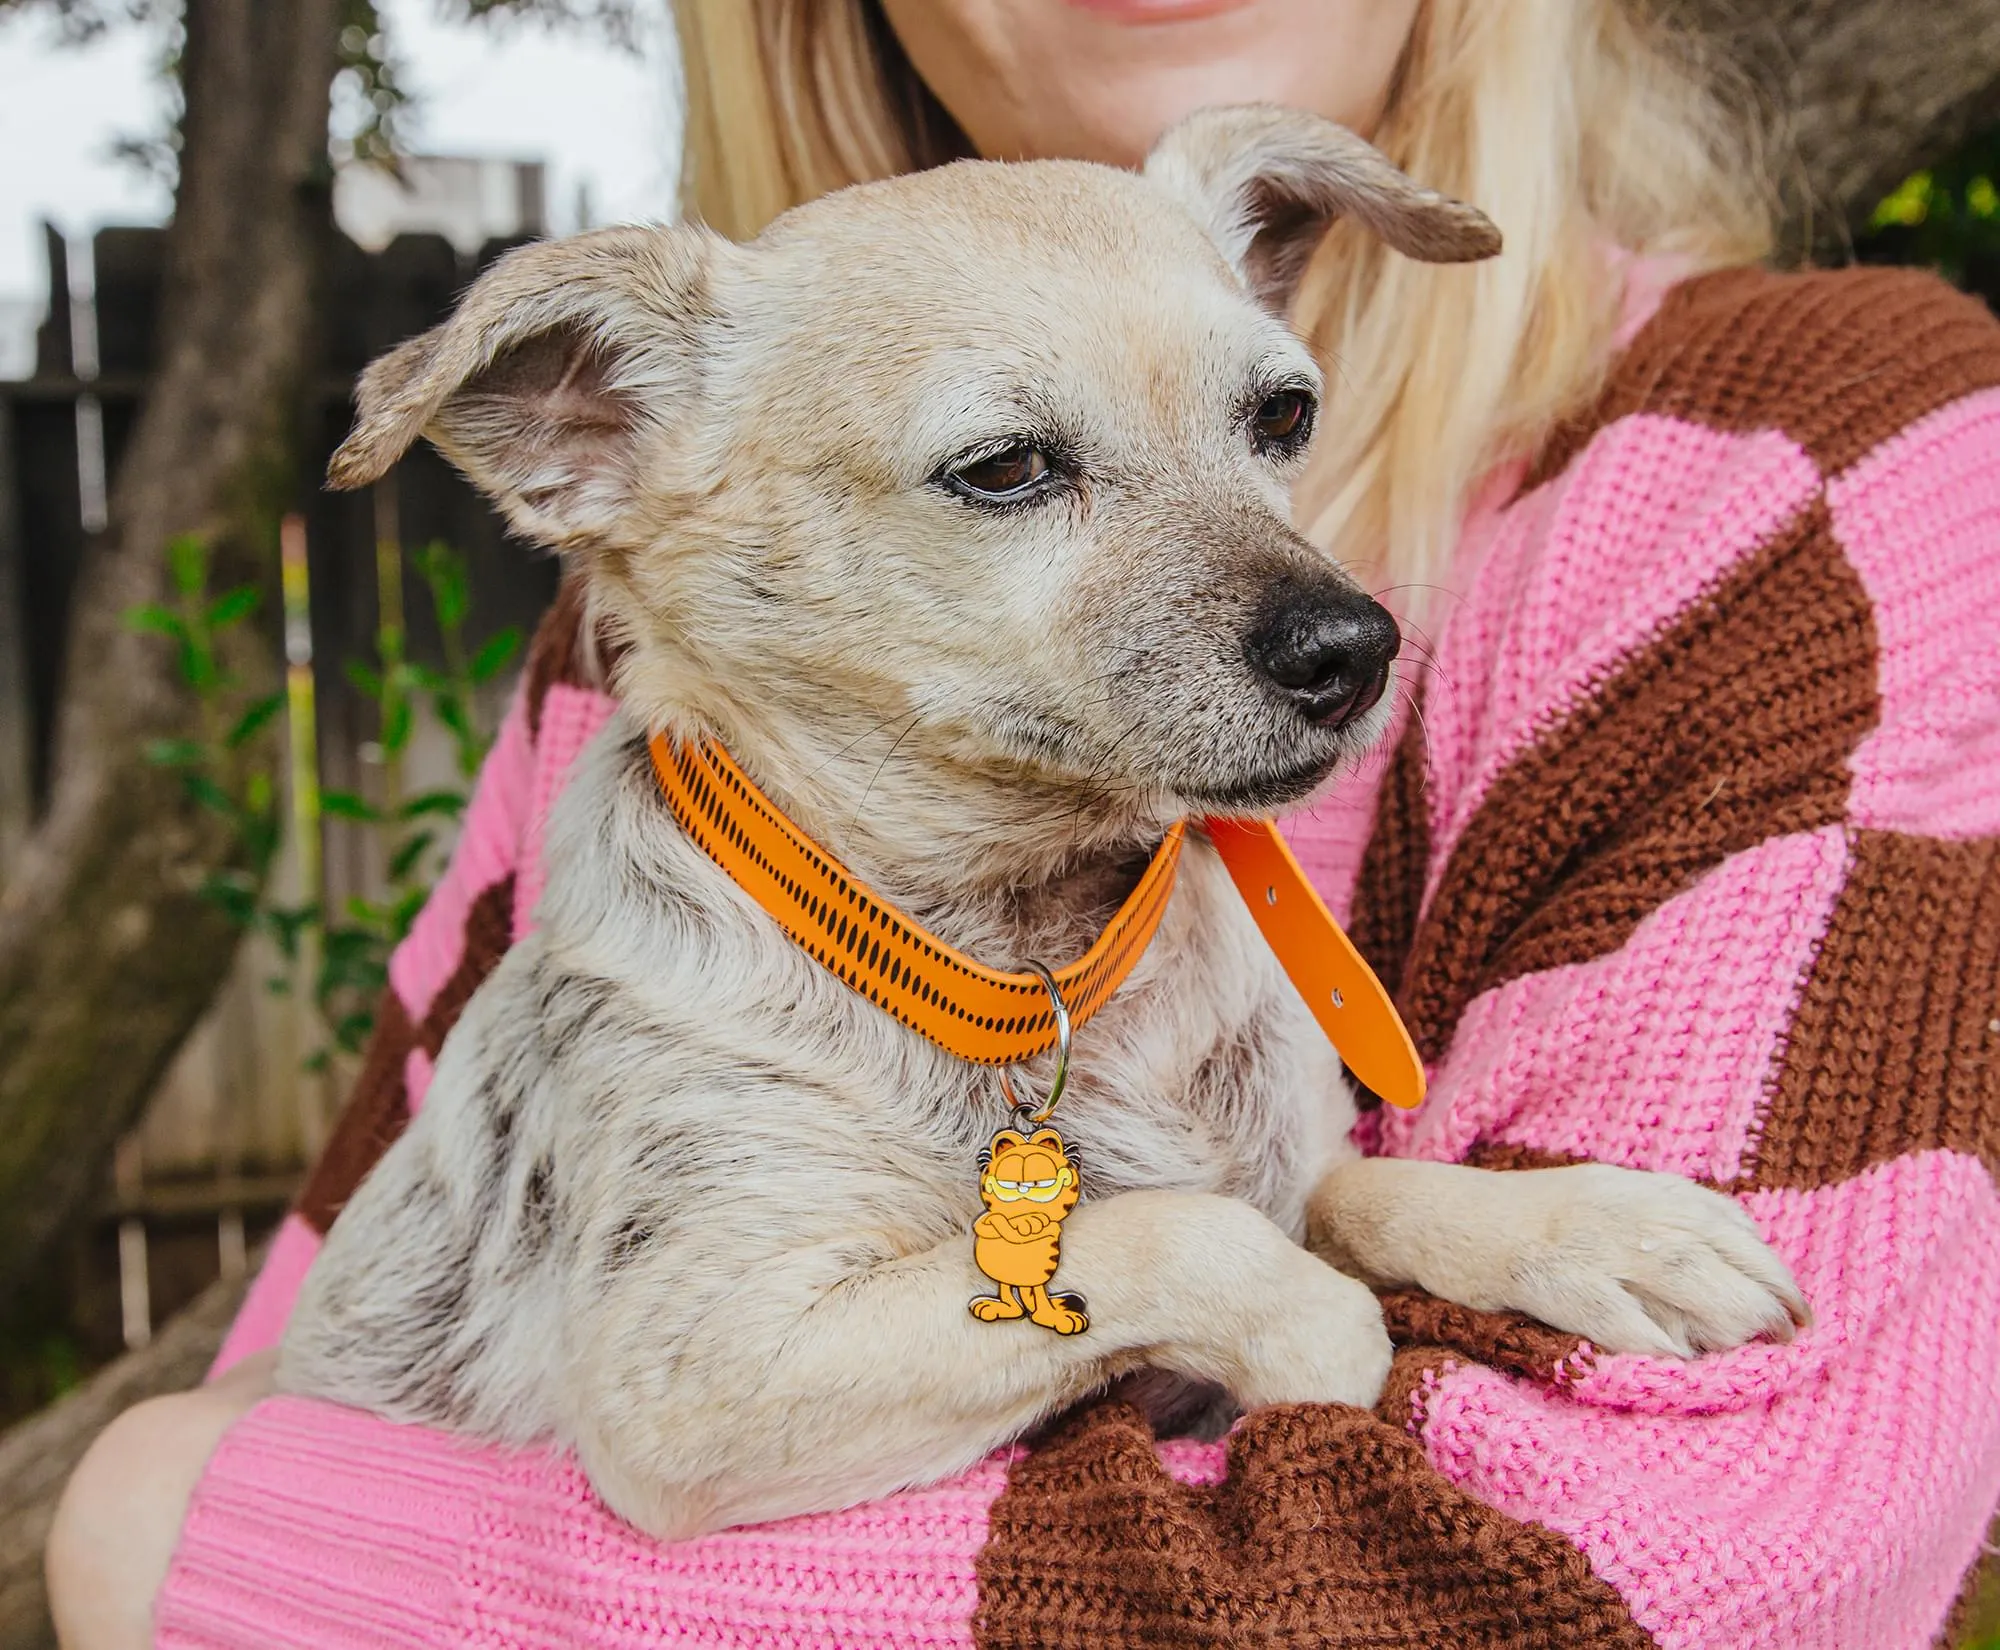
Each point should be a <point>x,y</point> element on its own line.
<point>389,631</point>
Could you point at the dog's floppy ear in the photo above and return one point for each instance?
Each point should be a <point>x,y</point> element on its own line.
<point>1265,182</point>
<point>561,357</point>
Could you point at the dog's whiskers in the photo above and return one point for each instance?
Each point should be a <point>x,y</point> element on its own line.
<point>909,728</point>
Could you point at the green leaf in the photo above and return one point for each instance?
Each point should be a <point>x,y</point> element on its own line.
<point>449,804</point>
<point>351,959</point>
<point>210,795</point>
<point>358,964</point>
<point>285,923</point>
<point>199,667</point>
<point>187,559</point>
<point>397,721</point>
<point>405,912</point>
<point>255,717</point>
<point>175,753</point>
<point>346,805</point>
<point>352,1031</point>
<point>404,860</point>
<point>233,606</point>
<point>158,618</point>
<point>443,569</point>
<point>365,678</point>
<point>358,976</point>
<point>495,654</point>
<point>234,893</point>
<point>317,1061</point>
<point>452,713</point>
<point>258,794</point>
<point>426,680</point>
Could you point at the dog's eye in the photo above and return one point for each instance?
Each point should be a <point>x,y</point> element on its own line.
<point>1283,420</point>
<point>1012,473</point>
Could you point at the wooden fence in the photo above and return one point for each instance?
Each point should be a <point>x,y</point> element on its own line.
<point>224,1141</point>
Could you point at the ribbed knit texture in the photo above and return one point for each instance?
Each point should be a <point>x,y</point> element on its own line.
<point>1690,863</point>
<point>321,1526</point>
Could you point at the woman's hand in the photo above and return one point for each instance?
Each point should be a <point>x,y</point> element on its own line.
<point>120,1516</point>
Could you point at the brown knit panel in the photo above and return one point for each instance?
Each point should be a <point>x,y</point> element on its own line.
<point>1839,360</point>
<point>556,652</point>
<point>377,1111</point>
<point>1389,888</point>
<point>1896,1044</point>
<point>1411,1370</point>
<point>489,930</point>
<point>1733,726</point>
<point>1332,1530</point>
<point>1504,1155</point>
<point>1501,1340</point>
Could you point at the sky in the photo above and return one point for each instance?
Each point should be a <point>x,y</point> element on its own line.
<point>603,119</point>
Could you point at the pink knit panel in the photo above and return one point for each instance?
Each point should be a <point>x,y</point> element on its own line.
<point>488,847</point>
<point>324,1528</point>
<point>260,1321</point>
<point>569,721</point>
<point>1650,517</point>
<point>418,1069</point>
<point>1787,1498</point>
<point>321,1527</point>
<point>1920,520</point>
<point>1658,1055</point>
<point>898,1571</point>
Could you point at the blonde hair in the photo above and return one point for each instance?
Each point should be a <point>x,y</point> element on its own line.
<point>1579,127</point>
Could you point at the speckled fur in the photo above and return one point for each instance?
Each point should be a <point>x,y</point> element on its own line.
<point>677,1197</point>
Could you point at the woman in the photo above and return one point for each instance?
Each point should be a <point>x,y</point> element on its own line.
<point>1689,862</point>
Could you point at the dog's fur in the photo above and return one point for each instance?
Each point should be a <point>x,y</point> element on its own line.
<point>681,1199</point>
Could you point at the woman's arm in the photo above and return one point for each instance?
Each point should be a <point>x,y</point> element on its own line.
<point>1710,816</point>
<point>121,1512</point>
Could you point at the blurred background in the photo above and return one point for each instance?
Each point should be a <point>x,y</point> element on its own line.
<point>455,133</point>
<point>239,716</point>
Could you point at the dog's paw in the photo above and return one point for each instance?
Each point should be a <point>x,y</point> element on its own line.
<point>1639,1262</point>
<point>1326,1346</point>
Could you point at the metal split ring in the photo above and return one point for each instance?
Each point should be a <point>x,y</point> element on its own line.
<point>1061,1078</point>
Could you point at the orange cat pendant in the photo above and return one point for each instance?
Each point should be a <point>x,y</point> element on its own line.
<point>1028,1182</point>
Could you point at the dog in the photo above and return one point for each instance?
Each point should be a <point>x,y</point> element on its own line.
<point>954,507</point>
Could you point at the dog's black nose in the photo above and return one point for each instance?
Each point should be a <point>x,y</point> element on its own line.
<point>1327,648</point>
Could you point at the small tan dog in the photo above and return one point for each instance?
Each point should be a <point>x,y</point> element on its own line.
<point>956,508</point>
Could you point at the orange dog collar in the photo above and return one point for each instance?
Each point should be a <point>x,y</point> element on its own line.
<point>995,1018</point>
<point>975,1012</point>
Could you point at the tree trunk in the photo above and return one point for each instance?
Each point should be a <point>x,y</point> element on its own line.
<point>37,1457</point>
<point>1862,93</point>
<point>107,952</point>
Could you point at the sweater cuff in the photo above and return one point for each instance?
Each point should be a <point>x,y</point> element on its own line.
<point>317,1525</point>
<point>322,1527</point>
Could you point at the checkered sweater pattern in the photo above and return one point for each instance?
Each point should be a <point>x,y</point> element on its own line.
<point>1692,862</point>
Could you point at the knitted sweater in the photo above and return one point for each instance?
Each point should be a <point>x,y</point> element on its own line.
<point>1691,863</point>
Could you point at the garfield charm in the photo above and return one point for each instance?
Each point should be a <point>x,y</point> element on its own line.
<point>1028,1183</point>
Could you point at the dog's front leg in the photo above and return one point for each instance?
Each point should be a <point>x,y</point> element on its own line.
<point>1631,1261</point>
<point>817,1378</point>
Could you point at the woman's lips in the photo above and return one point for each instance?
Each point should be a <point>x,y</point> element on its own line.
<point>1158,11</point>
